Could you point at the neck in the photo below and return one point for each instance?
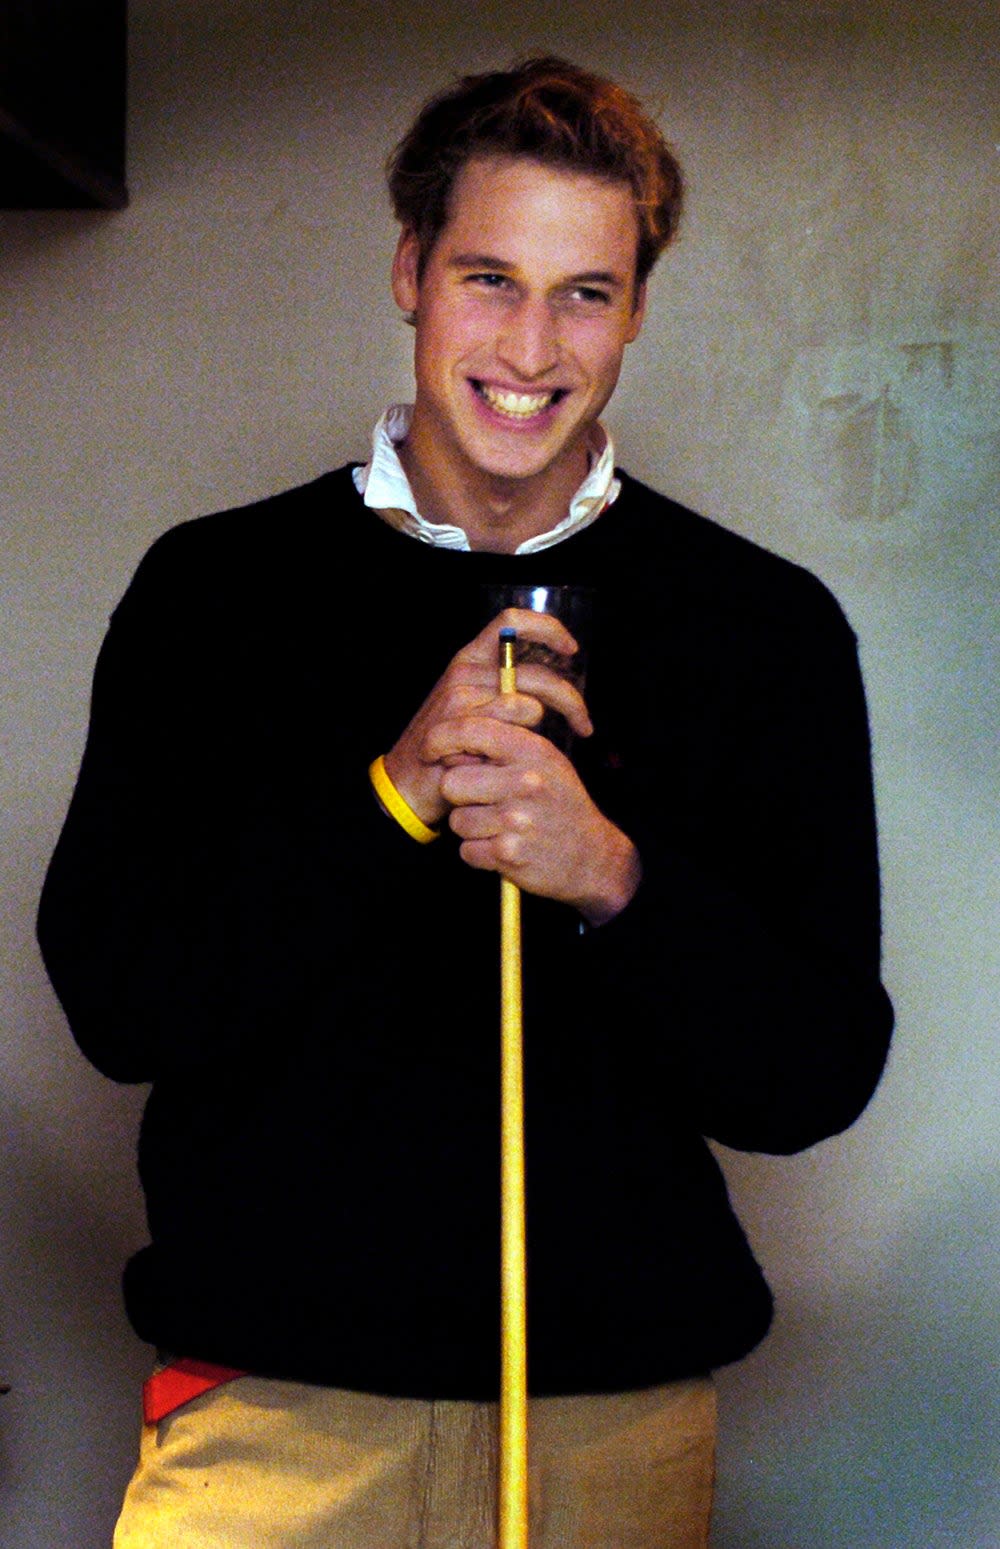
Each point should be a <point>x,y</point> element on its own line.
<point>497,514</point>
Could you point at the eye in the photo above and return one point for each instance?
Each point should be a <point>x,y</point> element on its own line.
<point>591,295</point>
<point>489,280</point>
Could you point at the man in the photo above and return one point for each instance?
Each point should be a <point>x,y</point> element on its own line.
<point>273,899</point>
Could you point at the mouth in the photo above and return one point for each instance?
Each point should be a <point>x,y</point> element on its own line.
<point>517,407</point>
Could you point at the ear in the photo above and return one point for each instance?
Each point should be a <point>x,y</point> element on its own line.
<point>405,265</point>
<point>638,314</point>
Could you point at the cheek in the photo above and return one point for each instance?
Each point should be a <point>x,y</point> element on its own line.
<point>444,348</point>
<point>598,344</point>
<point>602,361</point>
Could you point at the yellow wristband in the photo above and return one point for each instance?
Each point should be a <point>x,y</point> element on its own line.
<point>396,807</point>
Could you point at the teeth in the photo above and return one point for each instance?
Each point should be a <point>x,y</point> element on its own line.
<point>517,405</point>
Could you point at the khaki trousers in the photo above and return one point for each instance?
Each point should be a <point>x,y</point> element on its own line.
<point>260,1464</point>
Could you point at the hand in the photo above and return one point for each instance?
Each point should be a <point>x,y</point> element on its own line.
<point>520,808</point>
<point>470,689</point>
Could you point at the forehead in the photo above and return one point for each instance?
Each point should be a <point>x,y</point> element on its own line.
<point>531,215</point>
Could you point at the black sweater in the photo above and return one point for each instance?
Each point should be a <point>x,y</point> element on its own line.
<point>314,996</point>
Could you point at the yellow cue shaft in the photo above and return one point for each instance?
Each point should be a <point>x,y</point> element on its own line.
<point>513,1450</point>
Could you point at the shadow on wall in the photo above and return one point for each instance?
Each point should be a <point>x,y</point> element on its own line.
<point>69,1426</point>
<point>901,1449</point>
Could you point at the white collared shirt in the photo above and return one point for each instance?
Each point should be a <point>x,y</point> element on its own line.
<point>386,489</point>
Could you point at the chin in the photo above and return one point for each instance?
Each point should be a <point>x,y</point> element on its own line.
<point>519,453</point>
<point>512,467</point>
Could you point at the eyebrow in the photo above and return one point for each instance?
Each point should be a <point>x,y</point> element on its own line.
<point>503,266</point>
<point>598,277</point>
<point>479,261</point>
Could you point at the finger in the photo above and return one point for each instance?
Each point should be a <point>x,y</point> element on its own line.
<point>457,740</point>
<point>475,667</point>
<point>556,693</point>
<point>471,689</point>
<point>543,628</point>
<point>466,690</point>
<point>516,709</point>
<point>480,854</point>
<point>475,822</point>
<point>538,689</point>
<point>486,784</point>
<point>496,854</point>
<point>456,760</point>
<point>490,737</point>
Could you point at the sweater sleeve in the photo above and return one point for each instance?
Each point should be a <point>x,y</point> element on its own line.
<point>746,969</point>
<point>179,922</point>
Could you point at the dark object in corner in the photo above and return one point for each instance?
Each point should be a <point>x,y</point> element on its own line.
<point>62,104</point>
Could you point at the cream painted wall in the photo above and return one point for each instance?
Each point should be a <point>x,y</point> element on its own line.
<point>816,372</point>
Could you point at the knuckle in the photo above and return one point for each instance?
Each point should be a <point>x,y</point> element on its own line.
<point>509,848</point>
<point>461,674</point>
<point>527,710</point>
<point>462,698</point>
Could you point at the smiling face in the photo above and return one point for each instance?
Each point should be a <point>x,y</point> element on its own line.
<point>523,311</point>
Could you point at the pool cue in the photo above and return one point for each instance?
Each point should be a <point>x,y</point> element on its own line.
<point>512,1482</point>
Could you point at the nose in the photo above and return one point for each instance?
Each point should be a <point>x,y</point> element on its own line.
<point>529,340</point>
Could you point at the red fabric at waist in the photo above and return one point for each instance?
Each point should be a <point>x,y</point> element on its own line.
<point>178,1383</point>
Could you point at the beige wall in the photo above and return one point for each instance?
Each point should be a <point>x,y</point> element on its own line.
<point>816,372</point>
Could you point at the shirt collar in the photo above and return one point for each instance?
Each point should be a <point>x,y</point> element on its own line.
<point>386,489</point>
